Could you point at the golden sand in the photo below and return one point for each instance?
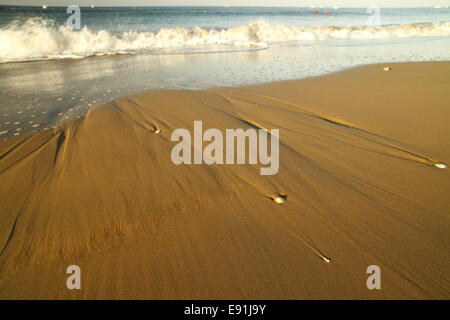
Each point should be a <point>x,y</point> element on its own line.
<point>358,150</point>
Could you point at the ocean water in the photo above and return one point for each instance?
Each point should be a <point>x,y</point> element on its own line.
<point>37,34</point>
<point>50,73</point>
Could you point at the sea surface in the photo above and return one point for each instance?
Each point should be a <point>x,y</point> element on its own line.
<point>51,73</point>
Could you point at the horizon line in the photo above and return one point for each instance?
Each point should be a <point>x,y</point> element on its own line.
<point>212,6</point>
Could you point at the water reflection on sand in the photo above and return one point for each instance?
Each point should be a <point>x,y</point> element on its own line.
<point>39,95</point>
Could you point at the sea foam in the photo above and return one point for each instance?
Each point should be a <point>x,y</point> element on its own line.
<point>42,39</point>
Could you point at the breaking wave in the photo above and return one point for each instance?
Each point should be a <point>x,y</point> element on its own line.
<point>42,39</point>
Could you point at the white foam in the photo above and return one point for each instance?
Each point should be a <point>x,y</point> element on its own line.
<point>41,39</point>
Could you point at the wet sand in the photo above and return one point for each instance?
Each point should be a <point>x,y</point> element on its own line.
<point>358,150</point>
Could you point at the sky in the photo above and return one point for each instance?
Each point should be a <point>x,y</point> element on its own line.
<point>290,3</point>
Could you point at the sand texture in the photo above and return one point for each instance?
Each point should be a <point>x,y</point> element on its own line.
<point>357,155</point>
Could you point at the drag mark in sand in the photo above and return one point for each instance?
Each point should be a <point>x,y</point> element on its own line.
<point>24,157</point>
<point>316,251</point>
<point>371,137</point>
<point>59,144</point>
<point>251,123</point>
<point>152,128</point>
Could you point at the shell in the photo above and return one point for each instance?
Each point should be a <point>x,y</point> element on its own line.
<point>440,165</point>
<point>280,199</point>
<point>387,69</point>
<point>327,260</point>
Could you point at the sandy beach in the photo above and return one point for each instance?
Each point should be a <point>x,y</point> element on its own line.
<point>358,150</point>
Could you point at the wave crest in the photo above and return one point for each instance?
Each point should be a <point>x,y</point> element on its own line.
<point>41,39</point>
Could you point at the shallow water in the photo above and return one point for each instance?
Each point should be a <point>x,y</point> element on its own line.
<point>40,94</point>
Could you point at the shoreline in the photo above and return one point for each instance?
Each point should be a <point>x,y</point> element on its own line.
<point>357,155</point>
<point>98,103</point>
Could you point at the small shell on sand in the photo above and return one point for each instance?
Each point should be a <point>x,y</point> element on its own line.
<point>156,130</point>
<point>440,165</point>
<point>280,199</point>
<point>327,260</point>
<point>387,69</point>
<point>3,132</point>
